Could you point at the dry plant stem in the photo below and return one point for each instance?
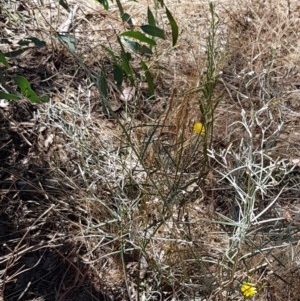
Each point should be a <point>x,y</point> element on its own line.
<point>65,27</point>
<point>253,177</point>
<point>208,102</point>
<point>13,257</point>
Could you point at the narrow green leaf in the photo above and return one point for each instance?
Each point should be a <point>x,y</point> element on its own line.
<point>125,17</point>
<point>151,18</point>
<point>17,52</point>
<point>109,51</point>
<point>120,7</point>
<point>149,78</point>
<point>26,89</point>
<point>64,4</point>
<point>153,31</point>
<point>9,96</point>
<point>118,75</point>
<point>138,36</point>
<point>37,42</point>
<point>161,2</point>
<point>143,49</point>
<point>103,87</point>
<point>127,70</point>
<point>174,27</point>
<point>136,47</point>
<point>104,3</point>
<point>24,42</point>
<point>3,59</point>
<point>125,62</point>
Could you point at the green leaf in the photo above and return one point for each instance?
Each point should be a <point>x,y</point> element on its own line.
<point>136,47</point>
<point>3,59</point>
<point>149,78</point>
<point>150,16</point>
<point>26,42</point>
<point>27,91</point>
<point>104,3</point>
<point>109,51</point>
<point>125,62</point>
<point>17,52</point>
<point>103,87</point>
<point>153,31</point>
<point>127,70</point>
<point>64,4</point>
<point>37,42</point>
<point>174,27</point>
<point>138,36</point>
<point>125,17</point>
<point>118,75</point>
<point>9,96</point>
<point>120,7</point>
<point>161,2</point>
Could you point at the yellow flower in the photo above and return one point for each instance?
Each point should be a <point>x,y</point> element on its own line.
<point>248,289</point>
<point>199,128</point>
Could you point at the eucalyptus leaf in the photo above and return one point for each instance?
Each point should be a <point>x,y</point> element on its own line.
<point>174,27</point>
<point>151,18</point>
<point>17,52</point>
<point>125,17</point>
<point>138,36</point>
<point>27,91</point>
<point>153,31</point>
<point>104,3</point>
<point>9,96</point>
<point>64,4</point>
<point>118,75</point>
<point>3,59</point>
<point>136,47</point>
<point>37,42</point>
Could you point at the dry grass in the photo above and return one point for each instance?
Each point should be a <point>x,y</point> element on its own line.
<point>123,208</point>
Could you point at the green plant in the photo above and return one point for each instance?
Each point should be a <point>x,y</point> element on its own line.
<point>25,90</point>
<point>140,43</point>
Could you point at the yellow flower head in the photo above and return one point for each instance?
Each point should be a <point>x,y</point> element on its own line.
<point>248,289</point>
<point>199,128</point>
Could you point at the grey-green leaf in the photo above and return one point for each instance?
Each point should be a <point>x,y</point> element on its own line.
<point>68,40</point>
